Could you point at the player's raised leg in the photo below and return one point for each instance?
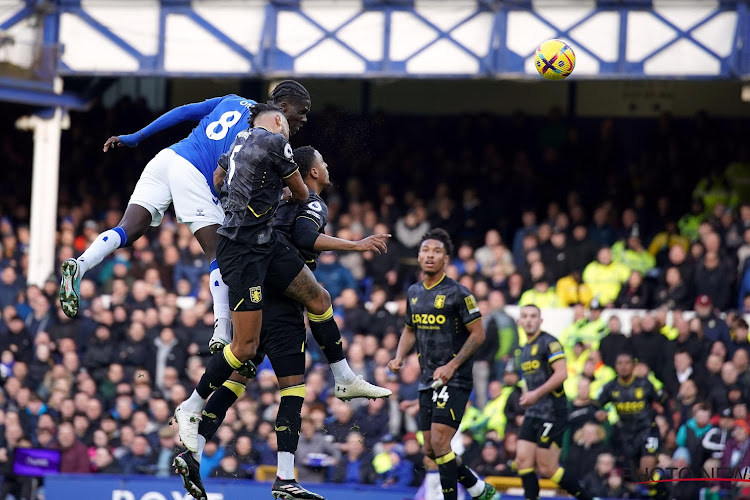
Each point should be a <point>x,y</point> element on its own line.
<point>222,335</point>
<point>187,463</point>
<point>148,203</point>
<point>306,290</point>
<point>133,225</point>
<point>196,205</point>
<point>244,345</point>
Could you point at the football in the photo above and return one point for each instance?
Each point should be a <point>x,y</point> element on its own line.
<point>554,59</point>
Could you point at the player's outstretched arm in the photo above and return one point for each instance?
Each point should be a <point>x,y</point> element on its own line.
<point>476,339</point>
<point>405,345</point>
<point>377,243</point>
<point>194,111</point>
<point>555,381</point>
<point>307,237</point>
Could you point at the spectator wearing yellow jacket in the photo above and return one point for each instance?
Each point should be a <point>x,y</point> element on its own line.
<point>592,368</point>
<point>571,290</point>
<point>587,330</point>
<point>595,328</point>
<point>689,223</point>
<point>541,295</point>
<point>663,241</point>
<point>493,416</point>
<point>631,253</point>
<point>605,277</point>
<point>568,337</point>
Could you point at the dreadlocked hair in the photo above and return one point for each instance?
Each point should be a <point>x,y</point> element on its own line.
<point>260,108</point>
<point>304,157</point>
<point>439,235</point>
<point>288,89</point>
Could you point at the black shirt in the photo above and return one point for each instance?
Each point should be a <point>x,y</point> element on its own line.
<point>439,316</point>
<point>537,357</point>
<point>297,220</point>
<point>256,166</point>
<point>632,401</point>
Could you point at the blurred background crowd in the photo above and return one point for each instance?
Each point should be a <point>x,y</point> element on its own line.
<point>593,214</point>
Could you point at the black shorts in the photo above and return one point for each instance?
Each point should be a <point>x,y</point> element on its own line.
<point>247,269</point>
<point>543,432</point>
<point>283,335</point>
<point>445,405</point>
<point>643,444</point>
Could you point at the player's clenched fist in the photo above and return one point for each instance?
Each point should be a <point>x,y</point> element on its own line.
<point>394,365</point>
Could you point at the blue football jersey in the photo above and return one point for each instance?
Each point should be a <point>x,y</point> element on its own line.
<point>215,134</point>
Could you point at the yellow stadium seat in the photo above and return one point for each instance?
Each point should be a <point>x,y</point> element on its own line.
<point>505,483</point>
<point>267,473</point>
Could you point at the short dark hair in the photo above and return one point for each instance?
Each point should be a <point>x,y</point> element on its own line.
<point>304,157</point>
<point>261,108</point>
<point>626,353</point>
<point>702,406</point>
<point>439,235</point>
<point>288,89</point>
<point>532,305</point>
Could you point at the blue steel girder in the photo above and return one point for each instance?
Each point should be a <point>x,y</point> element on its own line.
<point>499,60</point>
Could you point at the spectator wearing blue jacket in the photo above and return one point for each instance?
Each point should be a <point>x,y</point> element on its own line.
<point>400,474</point>
<point>333,276</point>
<point>690,435</point>
<point>212,455</point>
<point>355,466</point>
<point>714,328</point>
<point>192,266</point>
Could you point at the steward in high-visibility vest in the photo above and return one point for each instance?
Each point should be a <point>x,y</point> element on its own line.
<point>605,277</point>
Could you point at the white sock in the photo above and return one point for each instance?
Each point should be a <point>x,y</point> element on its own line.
<point>432,488</point>
<point>219,292</point>
<point>201,444</point>
<point>342,372</point>
<point>103,245</point>
<point>477,489</point>
<point>285,469</point>
<point>193,404</point>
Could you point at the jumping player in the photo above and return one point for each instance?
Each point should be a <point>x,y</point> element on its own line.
<point>252,253</point>
<point>283,337</point>
<point>443,319</point>
<point>545,420</point>
<point>633,399</point>
<point>183,174</point>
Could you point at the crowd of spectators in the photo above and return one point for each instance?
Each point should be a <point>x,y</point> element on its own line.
<point>557,212</point>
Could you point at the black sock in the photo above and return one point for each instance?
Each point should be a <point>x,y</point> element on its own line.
<point>289,417</point>
<point>465,476</point>
<point>218,371</point>
<point>326,333</point>
<point>217,406</point>
<point>448,469</point>
<point>258,359</point>
<point>569,483</point>
<point>530,483</point>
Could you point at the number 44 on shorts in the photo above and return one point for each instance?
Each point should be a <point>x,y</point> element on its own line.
<point>442,396</point>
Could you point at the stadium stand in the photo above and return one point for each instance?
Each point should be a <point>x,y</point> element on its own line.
<point>663,230</point>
